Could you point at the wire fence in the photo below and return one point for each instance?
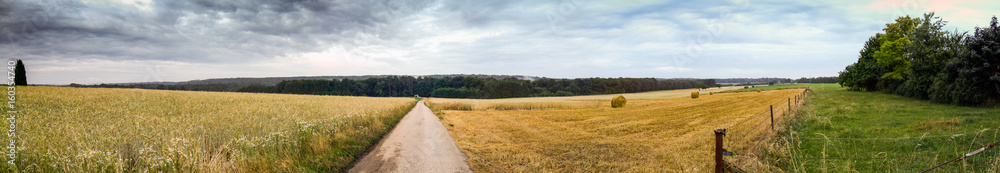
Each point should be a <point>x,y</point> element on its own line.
<point>762,143</point>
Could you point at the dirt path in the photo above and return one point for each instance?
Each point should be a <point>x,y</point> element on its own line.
<point>419,143</point>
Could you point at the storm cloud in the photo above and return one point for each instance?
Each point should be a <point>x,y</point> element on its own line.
<point>106,41</point>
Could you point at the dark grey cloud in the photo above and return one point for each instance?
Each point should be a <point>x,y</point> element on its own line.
<point>94,41</point>
<point>192,31</point>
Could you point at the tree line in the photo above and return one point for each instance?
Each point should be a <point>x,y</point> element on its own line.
<point>475,87</point>
<point>445,87</point>
<point>915,57</point>
<point>832,79</point>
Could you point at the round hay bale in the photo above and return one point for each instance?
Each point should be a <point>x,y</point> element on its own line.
<point>694,94</point>
<point>758,90</point>
<point>618,101</point>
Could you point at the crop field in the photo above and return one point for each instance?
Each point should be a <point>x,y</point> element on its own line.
<point>533,103</point>
<point>647,135</point>
<point>63,129</point>
<point>780,86</point>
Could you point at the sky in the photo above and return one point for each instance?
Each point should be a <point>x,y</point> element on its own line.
<point>113,41</point>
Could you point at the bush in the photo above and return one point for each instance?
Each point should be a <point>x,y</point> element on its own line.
<point>694,94</point>
<point>618,101</point>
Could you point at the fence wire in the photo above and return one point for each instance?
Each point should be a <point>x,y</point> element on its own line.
<point>754,145</point>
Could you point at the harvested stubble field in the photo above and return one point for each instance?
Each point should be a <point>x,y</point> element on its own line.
<point>648,135</point>
<point>534,103</point>
<point>62,129</point>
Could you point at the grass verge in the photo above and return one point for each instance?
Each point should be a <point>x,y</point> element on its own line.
<point>847,131</point>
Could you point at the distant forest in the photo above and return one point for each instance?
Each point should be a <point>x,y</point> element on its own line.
<point>753,81</point>
<point>446,87</point>
<point>761,81</point>
<point>832,79</point>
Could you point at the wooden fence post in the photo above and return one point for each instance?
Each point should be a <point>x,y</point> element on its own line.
<point>772,117</point>
<point>789,106</point>
<point>720,165</point>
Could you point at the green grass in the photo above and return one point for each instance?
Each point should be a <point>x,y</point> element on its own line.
<point>834,112</point>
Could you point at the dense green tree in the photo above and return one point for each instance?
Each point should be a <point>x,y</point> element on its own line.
<point>864,74</point>
<point>893,47</point>
<point>928,53</point>
<point>976,74</point>
<point>940,66</point>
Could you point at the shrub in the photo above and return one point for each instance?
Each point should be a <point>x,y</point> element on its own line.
<point>694,94</point>
<point>746,87</point>
<point>618,101</point>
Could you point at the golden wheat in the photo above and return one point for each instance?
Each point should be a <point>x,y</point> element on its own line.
<point>66,129</point>
<point>652,135</point>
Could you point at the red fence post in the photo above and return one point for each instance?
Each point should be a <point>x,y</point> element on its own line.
<point>720,165</point>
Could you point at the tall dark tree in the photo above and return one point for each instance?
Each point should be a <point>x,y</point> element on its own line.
<point>864,75</point>
<point>19,74</point>
<point>928,53</point>
<point>943,86</point>
<point>978,73</point>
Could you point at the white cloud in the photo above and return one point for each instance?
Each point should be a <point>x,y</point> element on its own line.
<point>97,41</point>
<point>673,69</point>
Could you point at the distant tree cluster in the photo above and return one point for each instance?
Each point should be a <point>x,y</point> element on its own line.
<point>915,57</point>
<point>475,87</point>
<point>832,79</point>
<point>753,81</point>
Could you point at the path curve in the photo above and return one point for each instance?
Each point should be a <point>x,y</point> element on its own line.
<point>418,143</point>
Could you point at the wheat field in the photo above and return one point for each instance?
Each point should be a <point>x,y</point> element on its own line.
<point>647,135</point>
<point>63,129</point>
